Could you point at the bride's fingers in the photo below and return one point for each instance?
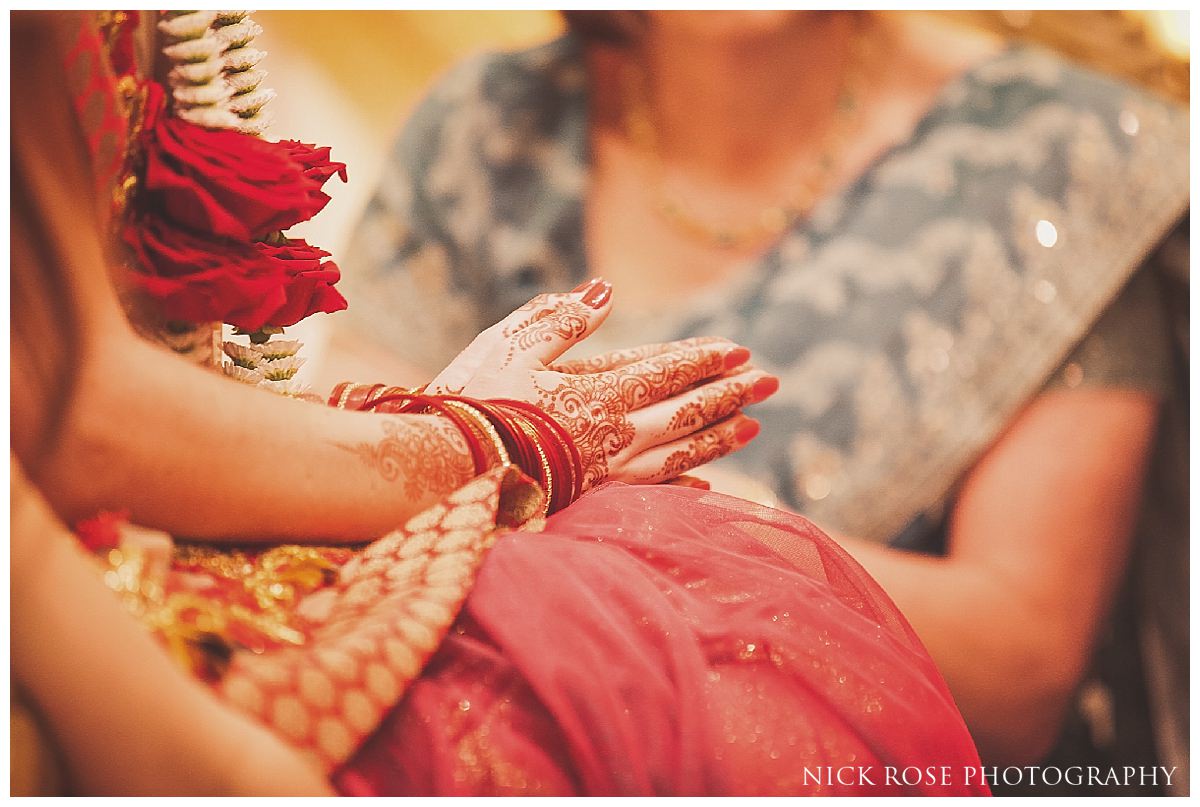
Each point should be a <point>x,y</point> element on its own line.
<point>689,482</point>
<point>672,459</point>
<point>619,358</point>
<point>538,308</point>
<point>657,378</point>
<point>555,329</point>
<point>698,408</point>
<point>471,359</point>
<point>495,340</point>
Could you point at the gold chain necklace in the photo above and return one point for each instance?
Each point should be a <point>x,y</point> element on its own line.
<point>772,220</point>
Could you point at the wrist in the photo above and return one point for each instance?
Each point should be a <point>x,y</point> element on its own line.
<point>494,432</point>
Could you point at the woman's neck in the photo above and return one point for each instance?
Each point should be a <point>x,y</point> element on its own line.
<point>732,106</point>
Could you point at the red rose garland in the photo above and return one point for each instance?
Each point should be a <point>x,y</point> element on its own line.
<point>315,160</point>
<point>206,196</point>
<point>309,282</point>
<point>197,278</point>
<point>224,183</point>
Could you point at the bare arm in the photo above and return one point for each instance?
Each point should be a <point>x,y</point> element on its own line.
<point>200,456</point>
<point>1037,545</point>
<point>146,431</point>
<point>94,673</point>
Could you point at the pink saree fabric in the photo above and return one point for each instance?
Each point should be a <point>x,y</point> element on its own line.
<point>664,640</point>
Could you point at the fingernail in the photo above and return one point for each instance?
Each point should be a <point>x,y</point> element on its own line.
<point>764,388</point>
<point>747,431</point>
<point>736,357</point>
<point>584,285</point>
<point>598,294</point>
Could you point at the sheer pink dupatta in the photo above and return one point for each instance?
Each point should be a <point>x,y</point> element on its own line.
<point>663,640</point>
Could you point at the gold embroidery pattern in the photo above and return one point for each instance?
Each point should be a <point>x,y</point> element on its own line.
<point>192,627</point>
<point>320,642</point>
<point>370,633</point>
<point>274,580</point>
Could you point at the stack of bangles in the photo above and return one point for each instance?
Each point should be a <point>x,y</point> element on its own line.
<point>498,433</point>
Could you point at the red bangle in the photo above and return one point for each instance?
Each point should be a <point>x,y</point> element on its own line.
<point>557,447</point>
<point>538,449</point>
<point>410,401</point>
<point>534,441</point>
<point>348,395</point>
<point>394,400</point>
<point>569,460</point>
<point>520,449</point>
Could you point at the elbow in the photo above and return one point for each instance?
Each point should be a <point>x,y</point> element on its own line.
<point>1030,728</point>
<point>1029,710</point>
<point>75,469</point>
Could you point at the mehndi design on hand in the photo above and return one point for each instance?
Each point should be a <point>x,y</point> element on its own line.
<point>428,454</point>
<point>622,408</point>
<point>599,409</point>
<point>619,358</point>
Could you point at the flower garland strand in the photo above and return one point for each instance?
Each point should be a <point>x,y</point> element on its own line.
<point>215,78</point>
<point>216,197</point>
<point>271,365</point>
<point>216,83</point>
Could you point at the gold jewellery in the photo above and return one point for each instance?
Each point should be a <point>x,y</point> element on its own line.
<point>770,221</point>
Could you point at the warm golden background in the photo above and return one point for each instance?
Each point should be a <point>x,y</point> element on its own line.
<point>347,79</point>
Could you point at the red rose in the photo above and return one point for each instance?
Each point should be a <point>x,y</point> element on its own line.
<point>198,279</point>
<point>223,183</point>
<point>206,199</point>
<point>315,160</point>
<point>309,287</point>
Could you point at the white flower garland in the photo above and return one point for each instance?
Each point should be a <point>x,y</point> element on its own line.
<point>215,80</point>
<point>216,83</point>
<point>270,365</point>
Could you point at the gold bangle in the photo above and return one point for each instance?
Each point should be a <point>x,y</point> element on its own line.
<point>485,426</point>
<point>531,432</point>
<point>341,404</point>
<point>381,391</point>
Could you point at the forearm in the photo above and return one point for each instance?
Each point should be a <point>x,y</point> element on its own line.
<point>202,456</point>
<point>1038,540</point>
<point>125,718</point>
<point>1010,666</point>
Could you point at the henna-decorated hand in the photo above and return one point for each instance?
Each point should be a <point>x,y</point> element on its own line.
<point>643,415</point>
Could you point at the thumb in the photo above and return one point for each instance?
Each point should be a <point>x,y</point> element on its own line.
<point>548,338</point>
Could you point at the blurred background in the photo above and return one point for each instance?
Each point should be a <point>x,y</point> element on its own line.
<point>347,80</point>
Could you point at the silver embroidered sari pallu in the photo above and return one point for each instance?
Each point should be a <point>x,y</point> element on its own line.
<point>963,317</point>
